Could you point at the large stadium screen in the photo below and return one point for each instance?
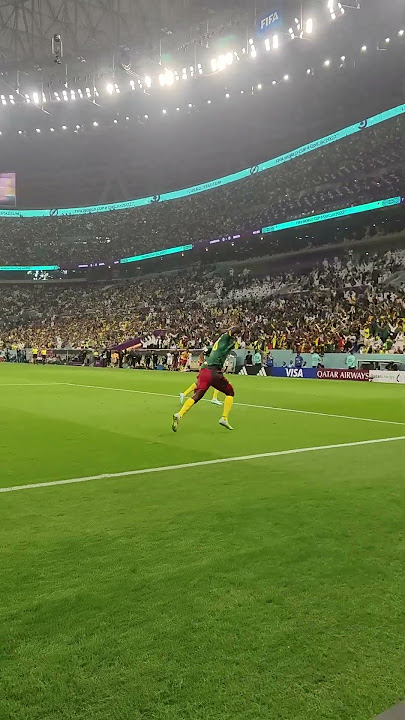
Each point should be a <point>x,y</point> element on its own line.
<point>7,189</point>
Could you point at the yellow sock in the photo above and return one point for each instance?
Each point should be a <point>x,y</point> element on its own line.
<point>186,407</point>
<point>227,406</point>
<point>190,389</point>
<point>215,395</point>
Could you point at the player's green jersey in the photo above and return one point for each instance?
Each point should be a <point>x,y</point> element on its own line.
<point>207,353</point>
<point>221,350</point>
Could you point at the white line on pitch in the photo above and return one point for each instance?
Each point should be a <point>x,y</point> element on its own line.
<point>200,463</point>
<point>30,384</point>
<point>263,407</point>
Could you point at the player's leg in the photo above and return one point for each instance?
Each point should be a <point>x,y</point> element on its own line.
<point>188,392</point>
<point>219,382</point>
<point>215,400</point>
<point>203,383</point>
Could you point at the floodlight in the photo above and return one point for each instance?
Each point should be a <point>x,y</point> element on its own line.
<point>27,98</point>
<point>267,44</point>
<point>387,40</point>
<point>77,127</point>
<point>11,99</point>
<point>177,109</point>
<point>169,77</point>
<point>52,129</point>
<point>327,63</point>
<point>364,48</point>
<point>309,26</point>
<point>227,95</point>
<point>400,33</point>
<point>115,122</point>
<point>95,124</point>
<point>110,88</point>
<point>164,112</point>
<point>38,130</point>
<point>146,117</point>
<point>253,54</point>
<point>162,79</point>
<point>250,41</point>
<point>309,71</point>
<point>214,65</point>
<point>64,127</point>
<point>275,42</point>
<point>148,81</point>
<point>286,77</point>
<point>209,102</point>
<point>221,62</point>
<point>274,82</point>
<point>229,58</point>
<point>35,98</point>
<point>190,105</point>
<point>259,87</point>
<point>343,58</point>
<point>3,100</point>
<point>132,84</point>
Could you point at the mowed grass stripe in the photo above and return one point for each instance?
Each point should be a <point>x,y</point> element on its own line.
<point>217,461</point>
<point>250,405</point>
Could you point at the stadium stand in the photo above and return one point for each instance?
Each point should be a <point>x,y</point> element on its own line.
<point>362,168</point>
<point>344,301</point>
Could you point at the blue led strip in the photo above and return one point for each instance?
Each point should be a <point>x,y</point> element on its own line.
<point>158,253</point>
<point>219,182</point>
<point>26,268</point>
<point>334,214</point>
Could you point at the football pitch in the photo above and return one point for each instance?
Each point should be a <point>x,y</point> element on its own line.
<point>233,578</point>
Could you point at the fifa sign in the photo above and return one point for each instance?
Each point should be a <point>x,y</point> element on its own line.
<point>269,22</point>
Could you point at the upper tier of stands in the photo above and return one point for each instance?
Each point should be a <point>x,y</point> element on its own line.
<point>363,168</point>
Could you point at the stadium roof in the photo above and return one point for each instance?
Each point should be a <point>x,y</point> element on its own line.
<point>91,26</point>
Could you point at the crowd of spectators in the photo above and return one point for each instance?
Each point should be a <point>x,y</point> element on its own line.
<point>343,302</point>
<point>362,168</point>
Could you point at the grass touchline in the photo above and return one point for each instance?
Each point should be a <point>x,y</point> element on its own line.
<point>217,461</point>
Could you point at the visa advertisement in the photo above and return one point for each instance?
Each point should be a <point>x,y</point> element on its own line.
<point>294,372</point>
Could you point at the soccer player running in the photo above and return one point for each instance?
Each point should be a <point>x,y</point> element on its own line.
<point>212,376</point>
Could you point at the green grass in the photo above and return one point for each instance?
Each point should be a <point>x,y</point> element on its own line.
<point>259,590</point>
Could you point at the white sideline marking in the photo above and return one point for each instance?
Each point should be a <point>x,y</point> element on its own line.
<point>263,407</point>
<point>29,384</point>
<point>200,463</point>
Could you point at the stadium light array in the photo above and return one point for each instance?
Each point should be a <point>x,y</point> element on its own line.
<point>309,26</point>
<point>169,77</point>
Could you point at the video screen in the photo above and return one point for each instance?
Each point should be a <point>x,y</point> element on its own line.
<point>7,189</point>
